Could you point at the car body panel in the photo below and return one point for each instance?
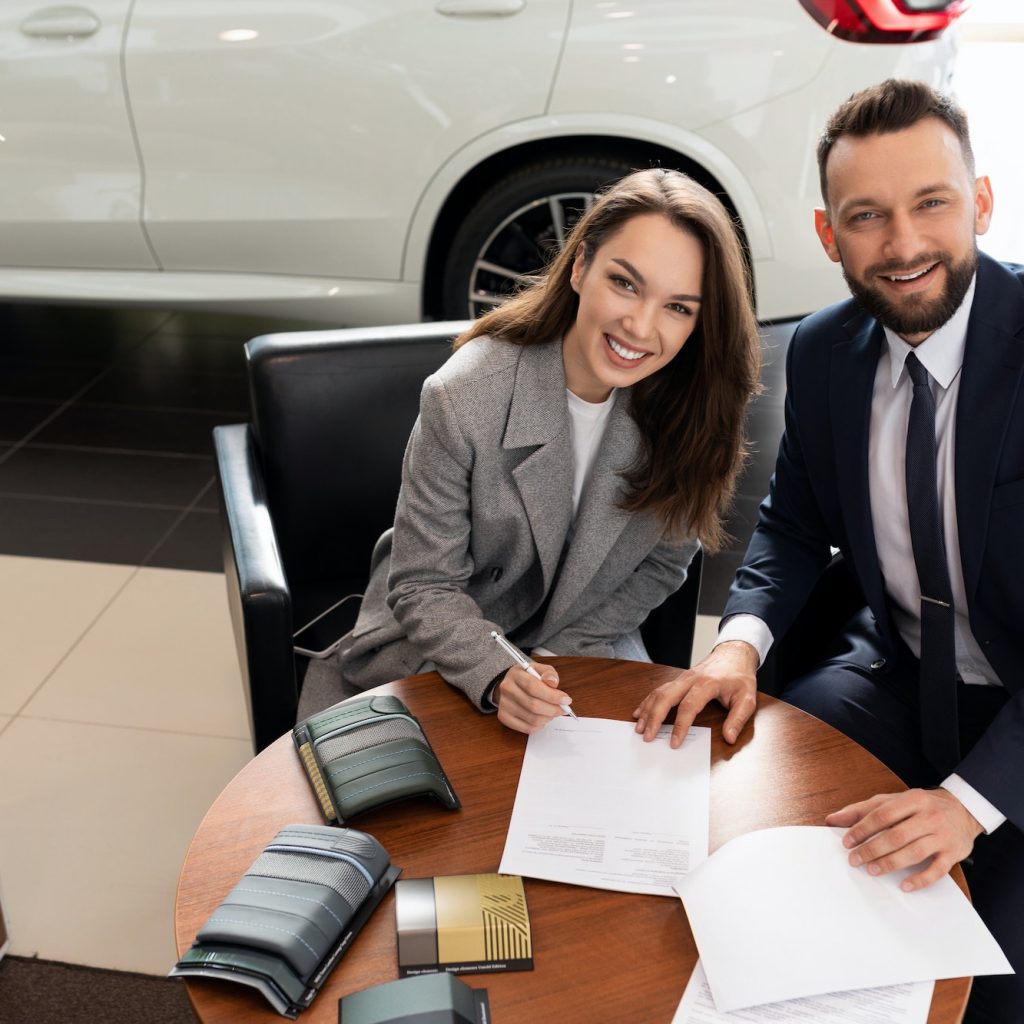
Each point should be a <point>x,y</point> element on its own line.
<point>688,63</point>
<point>72,186</point>
<point>303,150</point>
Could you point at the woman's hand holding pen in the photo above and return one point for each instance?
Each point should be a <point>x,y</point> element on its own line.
<point>526,703</point>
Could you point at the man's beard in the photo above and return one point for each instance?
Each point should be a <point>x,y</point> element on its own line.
<point>915,314</point>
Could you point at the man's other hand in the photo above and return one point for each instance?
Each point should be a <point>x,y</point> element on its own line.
<point>897,830</point>
<point>728,674</point>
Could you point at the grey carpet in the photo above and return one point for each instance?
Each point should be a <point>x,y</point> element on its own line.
<point>46,992</point>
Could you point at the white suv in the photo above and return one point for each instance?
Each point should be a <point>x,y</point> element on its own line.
<point>376,161</point>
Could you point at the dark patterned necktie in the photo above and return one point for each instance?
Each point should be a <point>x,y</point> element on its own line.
<point>939,731</point>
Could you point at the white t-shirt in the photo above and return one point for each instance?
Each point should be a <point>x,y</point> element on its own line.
<point>587,421</point>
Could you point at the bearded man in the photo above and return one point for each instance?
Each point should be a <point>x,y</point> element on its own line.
<point>904,449</point>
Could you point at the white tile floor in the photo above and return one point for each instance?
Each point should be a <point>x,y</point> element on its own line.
<point>122,718</point>
<point>165,635</point>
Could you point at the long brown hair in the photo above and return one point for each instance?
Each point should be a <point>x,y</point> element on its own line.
<point>691,412</point>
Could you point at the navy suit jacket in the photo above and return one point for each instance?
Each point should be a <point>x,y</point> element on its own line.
<point>819,497</point>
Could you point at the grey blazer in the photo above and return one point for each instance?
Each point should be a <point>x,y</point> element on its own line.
<point>479,541</point>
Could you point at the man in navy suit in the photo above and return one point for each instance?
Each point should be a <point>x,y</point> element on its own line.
<point>904,449</point>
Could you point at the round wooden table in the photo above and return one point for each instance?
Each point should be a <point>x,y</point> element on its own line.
<point>599,956</point>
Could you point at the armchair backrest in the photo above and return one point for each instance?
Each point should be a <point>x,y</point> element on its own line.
<point>331,415</point>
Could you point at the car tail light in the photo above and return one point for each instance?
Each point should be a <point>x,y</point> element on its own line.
<point>885,21</point>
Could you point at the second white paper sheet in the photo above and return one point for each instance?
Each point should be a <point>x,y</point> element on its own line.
<point>894,1004</point>
<point>780,914</point>
<point>597,806</point>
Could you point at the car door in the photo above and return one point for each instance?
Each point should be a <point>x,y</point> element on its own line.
<point>297,138</point>
<point>71,178</point>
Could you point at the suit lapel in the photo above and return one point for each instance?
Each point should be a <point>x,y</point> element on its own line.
<point>600,521</point>
<point>539,418</point>
<point>851,387</point>
<point>993,361</point>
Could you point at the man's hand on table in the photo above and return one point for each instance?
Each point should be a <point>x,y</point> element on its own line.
<point>728,674</point>
<point>897,830</point>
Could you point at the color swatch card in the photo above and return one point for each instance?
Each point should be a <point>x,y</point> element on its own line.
<point>462,924</point>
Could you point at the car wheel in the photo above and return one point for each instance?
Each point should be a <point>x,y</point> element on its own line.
<point>516,227</point>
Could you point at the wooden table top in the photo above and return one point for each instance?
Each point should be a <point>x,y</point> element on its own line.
<point>599,956</point>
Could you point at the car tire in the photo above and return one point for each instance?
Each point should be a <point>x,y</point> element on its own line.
<point>516,227</point>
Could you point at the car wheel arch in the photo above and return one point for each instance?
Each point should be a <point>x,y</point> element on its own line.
<point>505,162</point>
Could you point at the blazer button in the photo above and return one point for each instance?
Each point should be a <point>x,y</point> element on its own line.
<point>496,573</point>
<point>877,666</point>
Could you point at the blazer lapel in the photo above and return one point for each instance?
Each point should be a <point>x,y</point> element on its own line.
<point>851,387</point>
<point>539,418</point>
<point>600,521</point>
<point>993,361</point>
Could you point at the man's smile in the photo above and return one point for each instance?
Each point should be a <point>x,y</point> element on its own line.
<point>910,281</point>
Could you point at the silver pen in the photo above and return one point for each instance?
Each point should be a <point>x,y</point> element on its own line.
<point>523,662</point>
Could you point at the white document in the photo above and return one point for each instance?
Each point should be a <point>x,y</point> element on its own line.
<point>597,806</point>
<point>894,1004</point>
<point>779,914</point>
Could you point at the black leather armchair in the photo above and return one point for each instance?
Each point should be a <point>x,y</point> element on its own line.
<point>311,482</point>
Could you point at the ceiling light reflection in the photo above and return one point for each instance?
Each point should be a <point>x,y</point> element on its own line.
<point>238,35</point>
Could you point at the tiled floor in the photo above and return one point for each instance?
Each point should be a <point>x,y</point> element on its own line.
<point>122,720</point>
<point>121,708</point>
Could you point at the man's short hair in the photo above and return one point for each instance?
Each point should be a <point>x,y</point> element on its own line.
<point>891,106</point>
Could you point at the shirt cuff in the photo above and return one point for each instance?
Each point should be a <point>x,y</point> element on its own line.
<point>987,815</point>
<point>487,702</point>
<point>749,628</point>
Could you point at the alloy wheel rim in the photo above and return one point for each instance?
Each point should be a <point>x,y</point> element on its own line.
<point>521,246</point>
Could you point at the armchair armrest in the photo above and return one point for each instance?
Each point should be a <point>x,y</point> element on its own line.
<point>258,594</point>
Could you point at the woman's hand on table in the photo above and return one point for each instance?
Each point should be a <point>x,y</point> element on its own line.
<point>526,703</point>
<point>728,674</point>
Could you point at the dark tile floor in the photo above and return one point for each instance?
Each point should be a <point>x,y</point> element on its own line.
<point>105,435</point>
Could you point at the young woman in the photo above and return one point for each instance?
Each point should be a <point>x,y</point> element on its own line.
<point>568,459</point>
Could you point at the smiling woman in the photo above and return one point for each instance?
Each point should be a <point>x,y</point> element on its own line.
<point>569,458</point>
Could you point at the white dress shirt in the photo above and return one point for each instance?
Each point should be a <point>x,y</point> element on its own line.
<point>942,355</point>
